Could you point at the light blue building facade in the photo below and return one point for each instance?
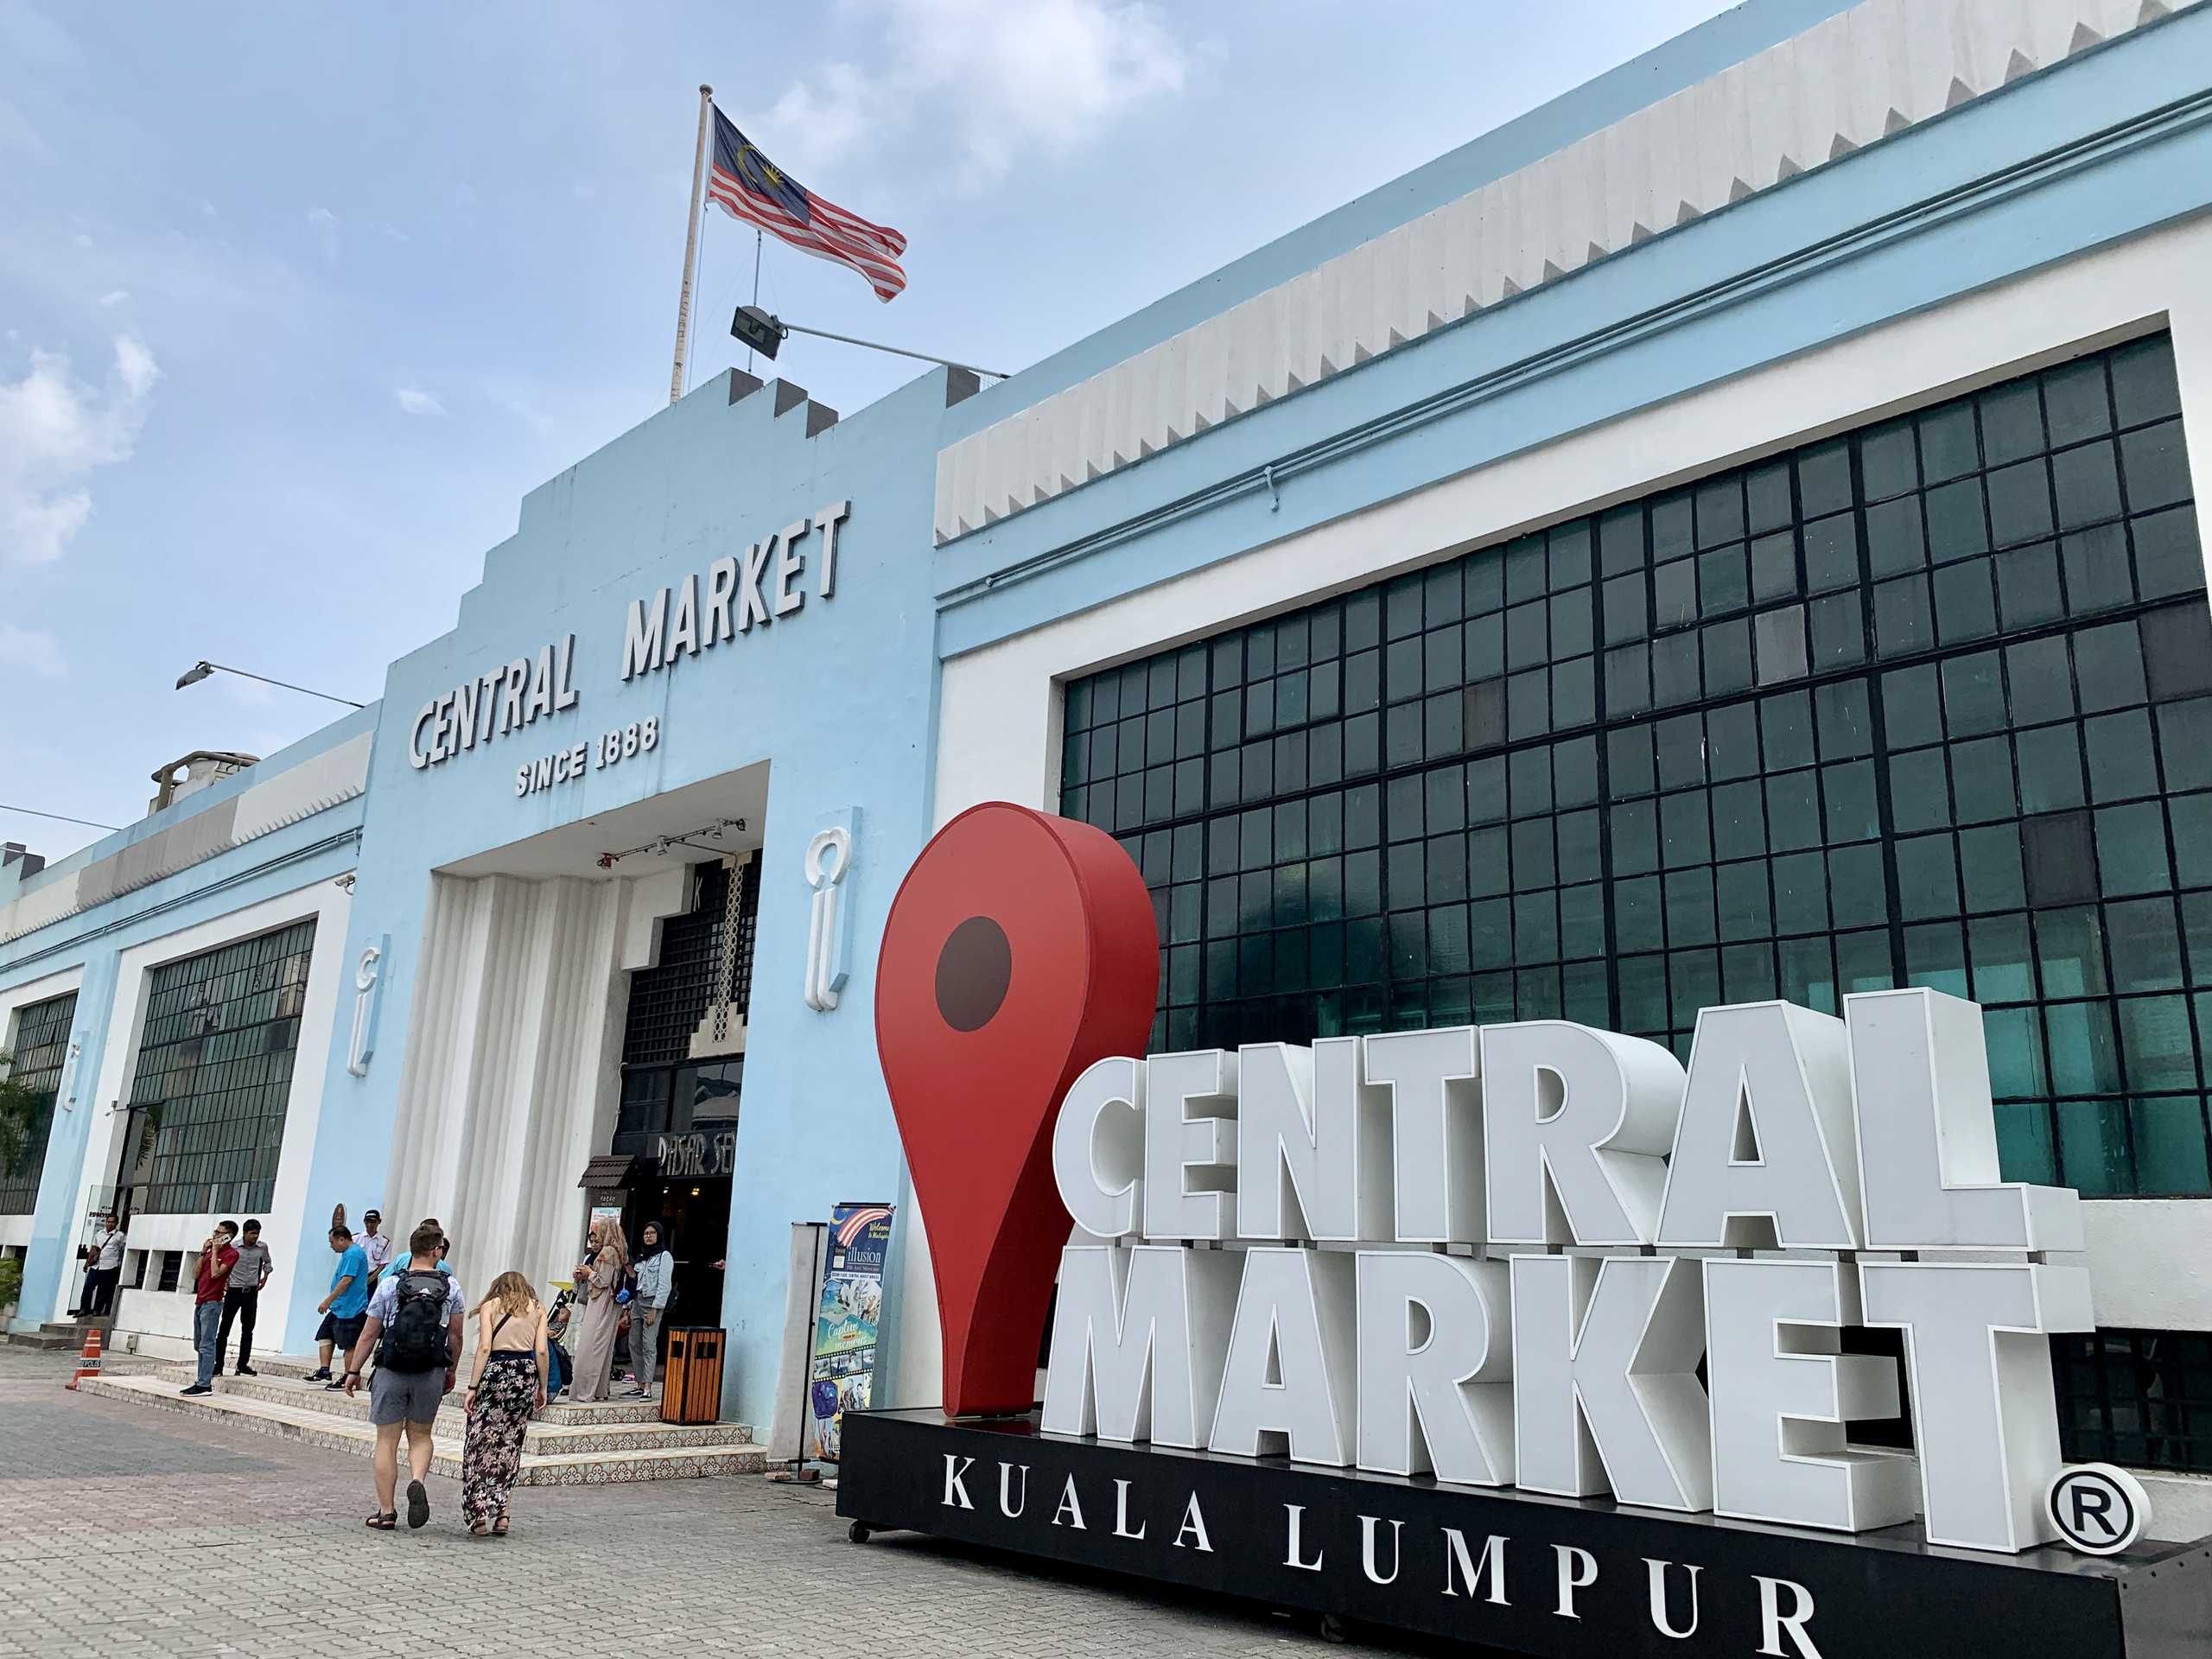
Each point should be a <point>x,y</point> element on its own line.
<point>169,992</point>
<point>1607,572</point>
<point>588,911</point>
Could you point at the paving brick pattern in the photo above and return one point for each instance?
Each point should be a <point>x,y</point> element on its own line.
<point>128,1531</point>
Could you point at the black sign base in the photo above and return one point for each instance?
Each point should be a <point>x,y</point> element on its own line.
<point>1521,1572</point>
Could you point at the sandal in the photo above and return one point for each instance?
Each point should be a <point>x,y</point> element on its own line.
<point>478,1530</point>
<point>388,1521</point>
<point>499,1526</point>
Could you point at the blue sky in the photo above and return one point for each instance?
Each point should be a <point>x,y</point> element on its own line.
<point>296,302</point>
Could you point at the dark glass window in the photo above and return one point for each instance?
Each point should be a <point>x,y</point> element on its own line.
<point>36,1056</point>
<point>2140,1397</point>
<point>214,1075</point>
<point>1928,703</point>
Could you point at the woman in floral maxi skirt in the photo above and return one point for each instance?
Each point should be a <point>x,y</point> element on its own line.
<point>505,1388</point>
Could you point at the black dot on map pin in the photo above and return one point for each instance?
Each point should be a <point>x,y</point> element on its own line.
<point>973,971</point>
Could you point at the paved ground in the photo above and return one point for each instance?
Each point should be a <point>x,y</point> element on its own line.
<point>124,1531</point>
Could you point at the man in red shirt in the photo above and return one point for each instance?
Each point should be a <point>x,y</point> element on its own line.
<point>217,1258</point>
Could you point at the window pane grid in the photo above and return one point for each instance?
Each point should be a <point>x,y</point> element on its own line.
<point>214,1074</point>
<point>1928,704</point>
<point>2139,1397</point>
<point>38,1055</point>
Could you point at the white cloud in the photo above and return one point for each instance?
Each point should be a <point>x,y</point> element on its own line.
<point>1007,76</point>
<point>581,191</point>
<point>55,430</point>
<point>396,233</point>
<point>324,223</point>
<point>115,296</point>
<point>415,401</point>
<point>33,649</point>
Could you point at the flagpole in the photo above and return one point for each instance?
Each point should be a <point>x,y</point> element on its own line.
<point>690,246</point>
<point>756,289</point>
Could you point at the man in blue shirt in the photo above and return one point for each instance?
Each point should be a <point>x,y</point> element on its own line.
<point>346,1307</point>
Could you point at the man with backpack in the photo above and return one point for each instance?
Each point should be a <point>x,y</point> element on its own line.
<point>414,1329</point>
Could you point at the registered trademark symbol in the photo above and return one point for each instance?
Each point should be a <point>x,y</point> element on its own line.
<point>2098,1509</point>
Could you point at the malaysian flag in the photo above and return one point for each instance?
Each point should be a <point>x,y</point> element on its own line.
<point>746,185</point>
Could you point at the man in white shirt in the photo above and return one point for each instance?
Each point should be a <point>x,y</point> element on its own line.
<point>103,1267</point>
<point>376,1244</point>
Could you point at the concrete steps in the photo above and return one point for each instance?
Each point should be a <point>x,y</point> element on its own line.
<point>585,1445</point>
<point>283,1379</point>
<point>625,1428</point>
<point>55,1336</point>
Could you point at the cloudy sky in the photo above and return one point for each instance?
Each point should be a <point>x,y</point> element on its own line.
<point>296,302</point>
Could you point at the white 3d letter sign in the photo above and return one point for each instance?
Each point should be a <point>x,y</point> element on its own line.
<point>1498,1256</point>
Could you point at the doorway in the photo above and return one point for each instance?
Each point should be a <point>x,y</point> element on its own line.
<point>694,1216</point>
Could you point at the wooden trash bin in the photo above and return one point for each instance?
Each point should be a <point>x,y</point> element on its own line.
<point>691,1391</point>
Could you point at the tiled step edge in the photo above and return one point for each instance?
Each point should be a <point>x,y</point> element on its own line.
<point>568,1468</point>
<point>280,1369</point>
<point>546,1434</point>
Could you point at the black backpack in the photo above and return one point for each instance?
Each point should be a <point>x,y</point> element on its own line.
<point>416,1341</point>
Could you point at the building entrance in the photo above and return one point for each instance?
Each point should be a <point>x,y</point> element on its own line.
<point>684,1067</point>
<point>694,1217</point>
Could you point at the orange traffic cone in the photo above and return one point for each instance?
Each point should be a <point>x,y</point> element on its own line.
<point>88,1362</point>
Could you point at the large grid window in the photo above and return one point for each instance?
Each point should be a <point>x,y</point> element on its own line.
<point>38,1055</point>
<point>214,1075</point>
<point>706,959</point>
<point>2141,1397</point>
<point>1926,703</point>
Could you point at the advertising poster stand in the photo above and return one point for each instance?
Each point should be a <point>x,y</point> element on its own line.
<point>849,1312</point>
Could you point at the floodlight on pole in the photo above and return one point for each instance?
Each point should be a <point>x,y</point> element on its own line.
<point>201,670</point>
<point>761,332</point>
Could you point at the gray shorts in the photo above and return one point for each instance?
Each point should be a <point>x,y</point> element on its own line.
<point>406,1396</point>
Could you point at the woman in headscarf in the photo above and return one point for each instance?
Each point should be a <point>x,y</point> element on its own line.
<point>598,1278</point>
<point>656,1270</point>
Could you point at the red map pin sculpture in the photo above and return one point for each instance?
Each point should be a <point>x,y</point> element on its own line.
<point>1019,951</point>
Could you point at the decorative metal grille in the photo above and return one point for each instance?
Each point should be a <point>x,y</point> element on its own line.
<point>734,971</point>
<point>747,925</point>
<point>2140,1397</point>
<point>706,958</point>
<point>214,1075</point>
<point>38,1055</point>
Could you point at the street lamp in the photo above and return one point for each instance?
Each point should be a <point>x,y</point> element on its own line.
<point>762,332</point>
<point>199,670</point>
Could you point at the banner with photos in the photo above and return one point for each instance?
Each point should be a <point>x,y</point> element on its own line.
<point>845,1323</point>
